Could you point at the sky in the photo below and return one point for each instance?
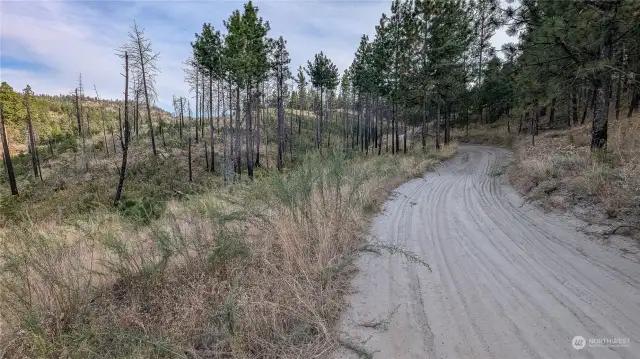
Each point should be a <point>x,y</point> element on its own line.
<point>48,44</point>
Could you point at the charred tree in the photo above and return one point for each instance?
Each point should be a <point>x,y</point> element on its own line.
<point>125,141</point>
<point>7,156</point>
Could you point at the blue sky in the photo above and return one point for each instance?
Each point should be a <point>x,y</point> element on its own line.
<point>47,44</point>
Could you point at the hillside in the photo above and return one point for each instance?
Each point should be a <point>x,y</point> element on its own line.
<point>54,116</point>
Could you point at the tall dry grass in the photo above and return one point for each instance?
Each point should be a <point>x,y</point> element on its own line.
<point>250,270</point>
<point>561,170</point>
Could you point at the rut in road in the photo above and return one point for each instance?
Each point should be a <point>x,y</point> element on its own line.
<point>506,280</point>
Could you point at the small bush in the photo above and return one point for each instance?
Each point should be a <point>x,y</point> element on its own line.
<point>143,211</point>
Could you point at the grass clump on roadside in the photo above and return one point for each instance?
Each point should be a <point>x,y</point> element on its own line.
<point>561,170</point>
<point>248,270</point>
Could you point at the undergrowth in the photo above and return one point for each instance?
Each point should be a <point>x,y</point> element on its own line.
<point>246,270</point>
<point>561,170</point>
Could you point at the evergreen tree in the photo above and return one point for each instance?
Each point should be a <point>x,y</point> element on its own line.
<point>324,77</point>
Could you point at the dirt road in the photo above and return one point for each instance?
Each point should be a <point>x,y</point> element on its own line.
<point>505,280</point>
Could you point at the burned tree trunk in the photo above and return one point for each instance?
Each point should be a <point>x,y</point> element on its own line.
<point>249,135</point>
<point>125,141</point>
<point>78,115</point>
<point>181,125</point>
<point>32,137</point>
<point>189,159</point>
<point>552,112</point>
<point>438,127</point>
<point>574,105</point>
<point>280,125</point>
<point>7,156</point>
<point>213,160</point>
<point>601,112</point>
<point>206,154</point>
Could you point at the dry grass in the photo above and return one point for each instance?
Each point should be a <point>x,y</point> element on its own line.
<point>496,134</point>
<point>561,170</point>
<point>249,270</point>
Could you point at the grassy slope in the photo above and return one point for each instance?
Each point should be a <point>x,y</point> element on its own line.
<point>561,171</point>
<point>245,270</point>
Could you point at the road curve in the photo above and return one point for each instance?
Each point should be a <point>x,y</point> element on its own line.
<point>506,280</point>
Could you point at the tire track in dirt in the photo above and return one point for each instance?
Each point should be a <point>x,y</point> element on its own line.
<point>507,280</point>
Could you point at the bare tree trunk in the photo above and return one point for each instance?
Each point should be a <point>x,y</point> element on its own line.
<point>249,135</point>
<point>379,116</point>
<point>206,154</point>
<point>404,146</point>
<point>78,114</point>
<point>447,126</point>
<point>231,127</point>
<point>552,112</point>
<point>213,152</point>
<point>329,120</point>
<point>258,137</point>
<point>7,156</point>
<point>181,124</point>
<point>424,122</point>
<point>104,131</point>
<point>238,132</point>
<point>321,118</point>
<point>125,142</point>
<point>189,159</point>
<point>280,125</point>
<point>146,98</point>
<point>619,84</point>
<point>32,137</point>
<point>266,127</point>
<point>438,127</point>
<point>600,118</point>
<point>225,172</point>
<point>113,139</point>
<point>81,132</point>
<point>587,96</point>
<point>197,104</point>
<point>574,104</point>
<point>136,119</point>
<point>203,110</point>
<point>635,100</point>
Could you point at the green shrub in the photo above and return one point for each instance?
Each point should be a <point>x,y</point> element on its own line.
<point>143,210</point>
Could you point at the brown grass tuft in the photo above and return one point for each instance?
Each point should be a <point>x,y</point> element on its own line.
<point>561,165</point>
<point>249,270</point>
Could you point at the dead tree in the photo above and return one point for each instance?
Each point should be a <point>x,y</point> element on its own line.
<point>7,156</point>
<point>181,115</point>
<point>125,141</point>
<point>189,159</point>
<point>143,60</point>
<point>104,126</point>
<point>32,137</point>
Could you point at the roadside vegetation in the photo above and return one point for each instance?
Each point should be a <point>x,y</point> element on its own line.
<point>255,270</point>
<point>562,173</point>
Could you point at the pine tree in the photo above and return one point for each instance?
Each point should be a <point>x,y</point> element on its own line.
<point>281,72</point>
<point>323,75</point>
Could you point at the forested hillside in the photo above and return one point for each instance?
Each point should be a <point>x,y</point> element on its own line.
<point>54,116</point>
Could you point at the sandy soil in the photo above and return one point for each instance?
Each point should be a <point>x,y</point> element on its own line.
<point>505,280</point>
